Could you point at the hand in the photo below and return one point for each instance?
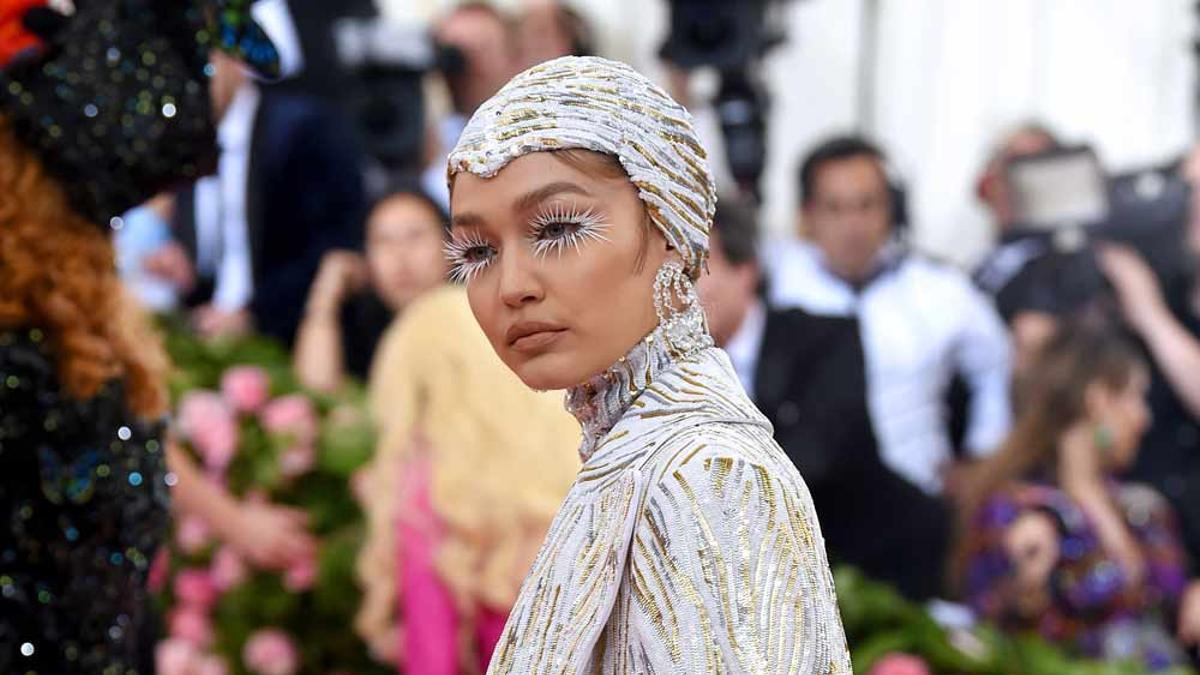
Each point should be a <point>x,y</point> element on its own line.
<point>1137,288</point>
<point>269,536</point>
<point>957,478</point>
<point>211,321</point>
<point>341,273</point>
<point>171,264</point>
<point>1188,623</point>
<point>1032,544</point>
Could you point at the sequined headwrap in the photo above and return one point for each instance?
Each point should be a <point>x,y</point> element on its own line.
<point>605,106</point>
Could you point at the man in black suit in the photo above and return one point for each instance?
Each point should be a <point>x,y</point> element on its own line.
<point>250,238</point>
<point>806,373</point>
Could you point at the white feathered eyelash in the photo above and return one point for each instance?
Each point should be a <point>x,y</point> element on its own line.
<point>462,269</point>
<point>587,223</point>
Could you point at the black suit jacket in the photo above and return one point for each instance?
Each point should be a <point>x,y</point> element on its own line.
<point>810,382</point>
<point>304,197</point>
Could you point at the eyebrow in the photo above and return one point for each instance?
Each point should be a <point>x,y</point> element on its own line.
<point>523,203</point>
<point>535,197</point>
<point>466,220</point>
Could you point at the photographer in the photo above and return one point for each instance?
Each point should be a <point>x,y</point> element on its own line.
<point>1015,247</point>
<point>486,41</point>
<point>1111,283</point>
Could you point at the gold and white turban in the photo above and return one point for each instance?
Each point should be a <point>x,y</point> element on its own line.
<point>605,106</point>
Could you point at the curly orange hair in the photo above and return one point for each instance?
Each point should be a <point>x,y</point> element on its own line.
<point>58,274</point>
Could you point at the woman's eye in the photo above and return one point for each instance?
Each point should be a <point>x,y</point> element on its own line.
<point>557,229</point>
<point>476,254</point>
<point>561,227</point>
<point>468,257</point>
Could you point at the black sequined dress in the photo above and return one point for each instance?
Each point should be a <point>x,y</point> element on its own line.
<point>84,504</point>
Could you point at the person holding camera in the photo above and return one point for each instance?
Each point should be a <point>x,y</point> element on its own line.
<point>483,41</point>
<point>1015,247</point>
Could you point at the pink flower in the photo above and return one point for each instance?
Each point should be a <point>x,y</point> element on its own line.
<point>270,651</point>
<point>210,425</point>
<point>191,625</point>
<point>297,460</point>
<point>292,416</point>
<point>211,665</point>
<point>191,535</point>
<point>159,568</point>
<point>301,575</point>
<point>175,657</point>
<point>228,570</point>
<point>897,663</point>
<point>246,388</point>
<point>360,484</point>
<point>194,588</point>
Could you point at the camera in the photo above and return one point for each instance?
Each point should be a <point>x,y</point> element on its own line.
<point>1066,193</point>
<point>730,37</point>
<point>1064,200</point>
<point>388,62</point>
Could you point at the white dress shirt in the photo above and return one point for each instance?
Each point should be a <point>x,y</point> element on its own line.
<point>743,348</point>
<point>222,229</point>
<point>921,323</point>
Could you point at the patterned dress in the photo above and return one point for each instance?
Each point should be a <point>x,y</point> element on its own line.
<point>1093,607</point>
<point>688,543</point>
<point>84,505</point>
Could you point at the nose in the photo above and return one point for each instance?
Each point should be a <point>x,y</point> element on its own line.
<point>519,284</point>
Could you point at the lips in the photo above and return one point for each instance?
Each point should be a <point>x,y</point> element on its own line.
<point>526,336</point>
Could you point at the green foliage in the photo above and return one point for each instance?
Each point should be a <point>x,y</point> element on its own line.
<point>879,621</point>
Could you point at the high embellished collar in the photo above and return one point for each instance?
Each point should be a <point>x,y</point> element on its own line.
<point>601,401</point>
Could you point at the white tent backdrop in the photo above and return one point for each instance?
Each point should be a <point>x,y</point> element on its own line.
<point>949,76</point>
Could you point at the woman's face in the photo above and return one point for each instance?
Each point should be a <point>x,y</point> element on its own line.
<point>550,256</point>
<point>404,249</point>
<point>1124,413</point>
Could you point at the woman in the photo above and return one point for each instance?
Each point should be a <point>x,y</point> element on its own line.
<point>581,202</point>
<point>355,297</point>
<point>452,501</point>
<point>1053,542</point>
<point>83,479</point>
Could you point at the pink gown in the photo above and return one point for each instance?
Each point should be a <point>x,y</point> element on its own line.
<point>431,627</point>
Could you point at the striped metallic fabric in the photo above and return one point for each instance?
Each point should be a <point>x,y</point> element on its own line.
<point>688,543</point>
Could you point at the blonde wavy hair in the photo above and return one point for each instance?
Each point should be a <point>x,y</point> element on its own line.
<point>501,458</point>
<point>58,274</point>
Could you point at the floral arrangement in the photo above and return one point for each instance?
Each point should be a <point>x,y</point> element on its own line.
<point>245,420</point>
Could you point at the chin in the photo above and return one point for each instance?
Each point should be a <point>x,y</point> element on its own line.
<point>552,371</point>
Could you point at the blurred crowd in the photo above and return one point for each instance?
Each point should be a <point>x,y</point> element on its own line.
<point>1019,443</point>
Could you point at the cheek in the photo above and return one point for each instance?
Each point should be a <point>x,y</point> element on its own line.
<point>485,306</point>
<point>380,263</point>
<point>431,258</point>
<point>597,284</point>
